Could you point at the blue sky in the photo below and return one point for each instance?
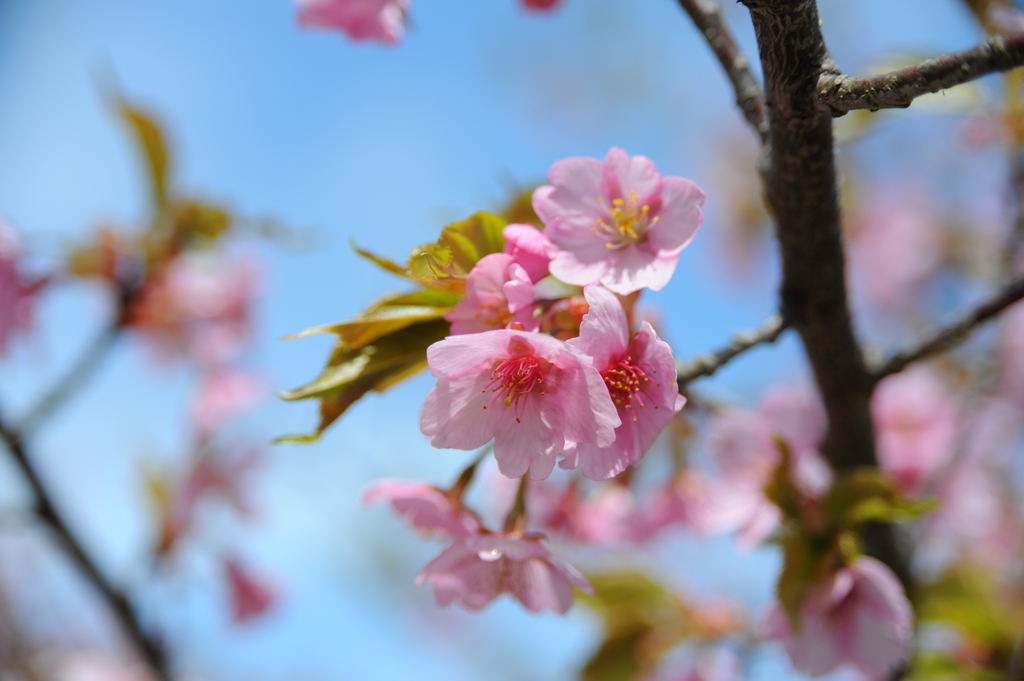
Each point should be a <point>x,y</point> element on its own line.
<point>383,146</point>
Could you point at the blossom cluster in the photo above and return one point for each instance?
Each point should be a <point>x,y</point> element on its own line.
<point>380,20</point>
<point>565,380</point>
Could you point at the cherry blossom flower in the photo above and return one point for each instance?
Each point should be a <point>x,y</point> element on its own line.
<point>895,246</point>
<point>479,569</point>
<point>198,307</point>
<point>540,4</point>
<point>916,422</point>
<point>859,616</point>
<point>640,375</point>
<point>498,293</point>
<point>743,446</point>
<point>425,508</point>
<point>17,292</point>
<point>223,395</point>
<point>221,473</point>
<point>530,392</point>
<point>528,248</point>
<point>382,20</point>
<point>616,222</point>
<point>605,517</point>
<point>250,597</point>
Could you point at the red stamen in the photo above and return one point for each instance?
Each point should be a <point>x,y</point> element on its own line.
<point>516,378</point>
<point>625,380</point>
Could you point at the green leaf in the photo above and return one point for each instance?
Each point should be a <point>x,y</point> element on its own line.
<point>869,494</point>
<point>384,263</point>
<point>801,565</point>
<point>966,596</point>
<point>473,238</point>
<point>642,621</point>
<point>151,141</point>
<point>387,315</point>
<point>377,365</point>
<point>781,490</point>
<point>444,265</point>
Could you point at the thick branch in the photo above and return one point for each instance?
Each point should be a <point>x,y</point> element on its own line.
<point>706,365</point>
<point>47,512</point>
<point>707,15</point>
<point>947,336</point>
<point>800,185</point>
<point>897,89</point>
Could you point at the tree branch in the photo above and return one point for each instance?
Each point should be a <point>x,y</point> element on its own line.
<point>800,186</point>
<point>947,336</point>
<point>706,365</point>
<point>86,365</point>
<point>47,512</point>
<point>707,15</point>
<point>802,195</point>
<point>897,89</point>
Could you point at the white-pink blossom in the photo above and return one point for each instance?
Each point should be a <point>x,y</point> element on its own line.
<point>479,569</point>
<point>916,424</point>
<point>528,248</point>
<point>382,20</point>
<point>859,616</point>
<point>251,596</point>
<point>223,395</point>
<point>198,306</point>
<point>17,292</point>
<point>640,375</point>
<point>426,508</point>
<point>498,293</point>
<point>743,445</point>
<point>616,222</point>
<point>530,392</point>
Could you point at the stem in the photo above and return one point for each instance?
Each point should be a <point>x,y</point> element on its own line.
<point>897,89</point>
<point>47,512</point>
<point>959,329</point>
<point>83,369</point>
<point>707,15</point>
<point>706,365</point>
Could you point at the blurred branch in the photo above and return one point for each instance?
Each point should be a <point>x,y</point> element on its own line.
<point>47,512</point>
<point>82,370</point>
<point>707,15</point>
<point>706,365</point>
<point>947,336</point>
<point>897,89</point>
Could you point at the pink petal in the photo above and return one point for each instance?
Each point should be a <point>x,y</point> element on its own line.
<point>679,217</point>
<point>604,332</point>
<point>622,174</point>
<point>576,189</point>
<point>454,414</point>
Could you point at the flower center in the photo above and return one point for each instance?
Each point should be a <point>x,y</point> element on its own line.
<point>627,222</point>
<point>625,380</point>
<point>514,379</point>
<point>494,316</point>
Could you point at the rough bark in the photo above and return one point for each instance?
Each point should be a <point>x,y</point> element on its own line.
<point>899,88</point>
<point>800,186</point>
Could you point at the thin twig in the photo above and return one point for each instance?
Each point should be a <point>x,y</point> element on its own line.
<point>897,89</point>
<point>705,365</point>
<point>47,512</point>
<point>947,336</point>
<point>707,15</point>
<point>83,369</point>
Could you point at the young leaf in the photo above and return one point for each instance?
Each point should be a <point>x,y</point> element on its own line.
<point>378,365</point>
<point>151,141</point>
